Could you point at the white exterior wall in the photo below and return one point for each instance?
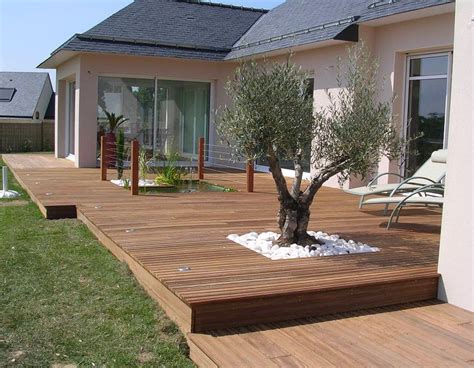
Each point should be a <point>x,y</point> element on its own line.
<point>456,257</point>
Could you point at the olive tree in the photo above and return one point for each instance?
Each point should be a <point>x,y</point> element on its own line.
<point>272,117</point>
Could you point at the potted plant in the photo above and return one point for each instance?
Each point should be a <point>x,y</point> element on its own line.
<point>114,122</point>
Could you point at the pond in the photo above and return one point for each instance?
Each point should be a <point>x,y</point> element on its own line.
<point>186,186</point>
<point>149,187</point>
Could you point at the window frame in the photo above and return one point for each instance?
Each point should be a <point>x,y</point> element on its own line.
<point>406,92</point>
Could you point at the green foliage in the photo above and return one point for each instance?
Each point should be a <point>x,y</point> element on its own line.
<point>170,173</point>
<point>229,190</point>
<point>66,300</point>
<point>271,116</point>
<point>143,163</point>
<point>356,129</point>
<point>270,111</point>
<point>126,183</point>
<point>26,146</point>
<point>121,152</point>
<point>114,121</point>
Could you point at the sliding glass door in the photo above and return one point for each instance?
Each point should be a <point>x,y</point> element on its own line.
<point>195,117</point>
<point>134,99</point>
<point>165,116</point>
<point>427,101</point>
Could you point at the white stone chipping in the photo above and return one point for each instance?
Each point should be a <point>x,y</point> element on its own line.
<point>141,183</point>
<point>265,244</point>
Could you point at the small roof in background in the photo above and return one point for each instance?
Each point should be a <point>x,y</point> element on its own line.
<point>27,91</point>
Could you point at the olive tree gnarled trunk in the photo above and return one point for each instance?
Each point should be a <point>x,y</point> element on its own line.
<point>294,212</point>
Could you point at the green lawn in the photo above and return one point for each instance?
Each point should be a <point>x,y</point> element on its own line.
<point>64,299</point>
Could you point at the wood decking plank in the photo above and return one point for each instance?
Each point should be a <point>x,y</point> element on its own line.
<point>388,337</point>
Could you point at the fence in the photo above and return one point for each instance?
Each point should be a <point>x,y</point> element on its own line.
<point>114,156</point>
<point>26,136</point>
<point>222,159</point>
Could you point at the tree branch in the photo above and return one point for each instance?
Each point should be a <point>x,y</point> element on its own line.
<point>278,178</point>
<point>318,180</point>
<point>295,191</point>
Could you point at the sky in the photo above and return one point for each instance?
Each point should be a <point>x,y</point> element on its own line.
<point>31,29</point>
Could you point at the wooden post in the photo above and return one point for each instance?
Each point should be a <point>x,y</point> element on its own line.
<point>201,159</point>
<point>250,176</point>
<point>134,167</point>
<point>103,159</point>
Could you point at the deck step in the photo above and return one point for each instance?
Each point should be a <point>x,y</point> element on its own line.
<point>286,307</point>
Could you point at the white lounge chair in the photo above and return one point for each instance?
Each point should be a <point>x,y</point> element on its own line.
<point>427,195</point>
<point>432,171</point>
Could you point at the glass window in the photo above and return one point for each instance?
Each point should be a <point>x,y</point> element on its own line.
<point>181,108</point>
<point>183,116</point>
<point>426,66</point>
<point>132,98</point>
<point>426,110</point>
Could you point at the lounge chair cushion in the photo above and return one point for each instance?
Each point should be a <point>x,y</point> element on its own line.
<point>380,189</point>
<point>413,200</point>
<point>440,156</point>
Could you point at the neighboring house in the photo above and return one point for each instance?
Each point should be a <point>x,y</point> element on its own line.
<point>164,64</point>
<point>26,112</point>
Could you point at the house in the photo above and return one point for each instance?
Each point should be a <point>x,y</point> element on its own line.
<point>26,112</point>
<point>164,63</point>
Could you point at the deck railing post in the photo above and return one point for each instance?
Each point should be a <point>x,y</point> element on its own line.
<point>134,167</point>
<point>103,159</point>
<point>250,176</point>
<point>201,159</point>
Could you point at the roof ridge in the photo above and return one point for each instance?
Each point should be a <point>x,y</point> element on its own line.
<point>21,72</point>
<point>221,5</point>
<point>149,42</point>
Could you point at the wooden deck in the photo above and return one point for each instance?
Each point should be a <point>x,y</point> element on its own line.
<point>228,285</point>
<point>415,335</point>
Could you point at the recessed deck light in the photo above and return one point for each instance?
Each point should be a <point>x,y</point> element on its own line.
<point>49,194</point>
<point>184,269</point>
<point>129,230</point>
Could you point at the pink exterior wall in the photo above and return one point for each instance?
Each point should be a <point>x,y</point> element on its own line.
<point>86,69</point>
<point>389,44</point>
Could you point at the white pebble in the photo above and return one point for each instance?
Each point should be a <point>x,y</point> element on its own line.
<point>265,244</point>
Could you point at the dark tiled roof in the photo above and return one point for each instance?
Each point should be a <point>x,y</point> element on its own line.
<point>169,28</point>
<point>299,22</point>
<point>28,88</point>
<point>200,30</point>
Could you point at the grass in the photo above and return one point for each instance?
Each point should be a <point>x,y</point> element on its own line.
<point>64,299</point>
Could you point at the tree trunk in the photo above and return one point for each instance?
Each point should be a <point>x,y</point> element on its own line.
<point>294,213</point>
<point>293,222</point>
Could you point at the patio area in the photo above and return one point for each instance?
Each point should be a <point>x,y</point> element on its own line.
<point>228,285</point>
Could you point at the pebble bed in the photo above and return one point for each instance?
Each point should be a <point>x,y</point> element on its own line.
<point>265,244</point>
